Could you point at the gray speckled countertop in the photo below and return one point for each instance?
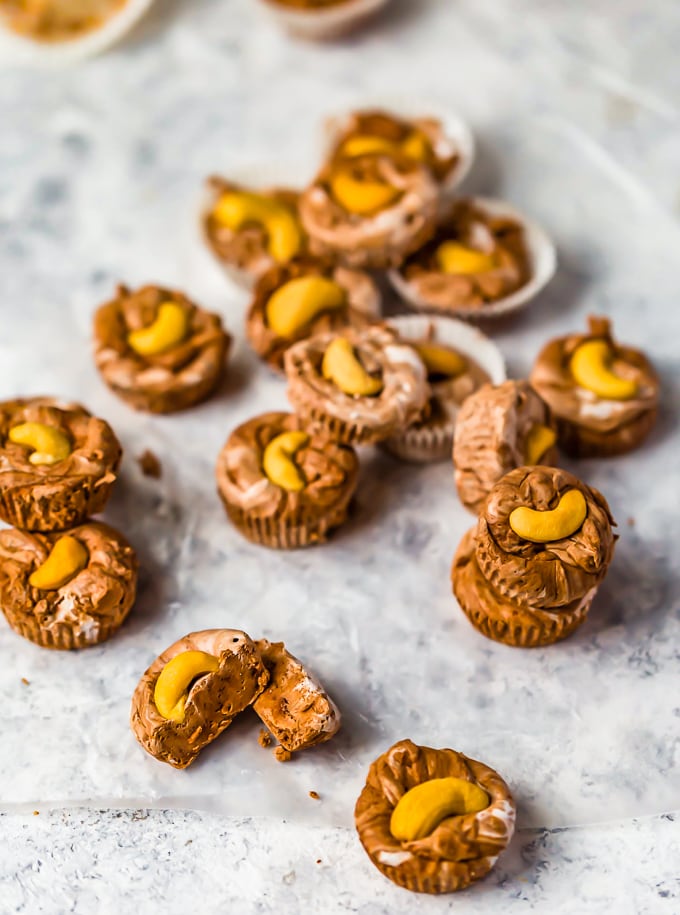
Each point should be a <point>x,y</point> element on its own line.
<point>575,107</point>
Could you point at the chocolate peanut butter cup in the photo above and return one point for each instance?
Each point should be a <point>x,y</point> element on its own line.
<point>433,821</point>
<point>459,359</point>
<point>500,427</point>
<point>304,298</point>
<point>157,350</point>
<point>284,485</point>
<point>369,211</point>
<point>57,463</point>
<point>357,387</point>
<point>193,691</point>
<point>604,395</point>
<point>527,574</point>
<point>65,590</point>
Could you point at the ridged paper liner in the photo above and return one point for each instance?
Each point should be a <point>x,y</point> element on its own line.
<point>62,637</point>
<point>80,499</point>
<point>483,606</point>
<point>542,262</point>
<point>581,442</point>
<point>19,49</point>
<point>172,401</point>
<point>427,444</point>
<point>300,529</point>
<point>321,23</point>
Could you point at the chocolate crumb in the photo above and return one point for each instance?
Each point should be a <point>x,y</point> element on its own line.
<point>265,738</point>
<point>314,796</point>
<point>150,464</point>
<point>282,754</point>
<point>25,681</point>
<point>318,860</point>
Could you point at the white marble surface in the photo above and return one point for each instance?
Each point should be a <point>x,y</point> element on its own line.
<point>100,167</point>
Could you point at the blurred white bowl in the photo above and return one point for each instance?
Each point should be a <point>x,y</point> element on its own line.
<point>23,50</point>
<point>323,22</point>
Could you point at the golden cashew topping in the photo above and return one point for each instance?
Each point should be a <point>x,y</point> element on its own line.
<point>453,257</point>
<point>440,360</point>
<point>416,146</point>
<point>365,143</point>
<point>539,439</point>
<point>299,301</point>
<point>361,197</point>
<point>278,460</point>
<point>549,526</point>
<point>175,680</point>
<point>169,329</point>
<point>422,809</point>
<point>590,366</point>
<point>236,209</point>
<point>67,558</point>
<point>342,367</point>
<point>50,445</point>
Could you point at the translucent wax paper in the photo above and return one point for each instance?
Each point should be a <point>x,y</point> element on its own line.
<point>583,731</point>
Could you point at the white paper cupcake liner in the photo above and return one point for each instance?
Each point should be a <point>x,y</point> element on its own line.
<point>20,49</point>
<point>318,24</point>
<point>542,262</point>
<point>428,444</point>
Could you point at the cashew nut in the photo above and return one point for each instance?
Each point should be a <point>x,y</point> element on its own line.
<point>236,209</point>
<point>538,440</point>
<point>50,445</point>
<point>549,526</point>
<point>177,677</point>
<point>299,301</point>
<point>67,557</point>
<point>422,809</point>
<point>167,330</point>
<point>440,360</point>
<point>363,144</point>
<point>341,366</point>
<point>278,460</point>
<point>590,366</point>
<point>361,197</point>
<point>416,146</point>
<point>452,257</point>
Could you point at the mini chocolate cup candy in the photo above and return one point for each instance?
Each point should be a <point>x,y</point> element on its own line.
<point>245,237</point>
<point>604,395</point>
<point>458,358</point>
<point>373,387</point>
<point>485,260</point>
<point>501,619</point>
<point>370,211</point>
<point>157,350</point>
<point>215,675</point>
<point>294,706</point>
<point>459,849</point>
<point>528,573</point>
<point>70,589</point>
<point>304,298</point>
<point>57,463</point>
<point>500,427</point>
<point>282,485</point>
